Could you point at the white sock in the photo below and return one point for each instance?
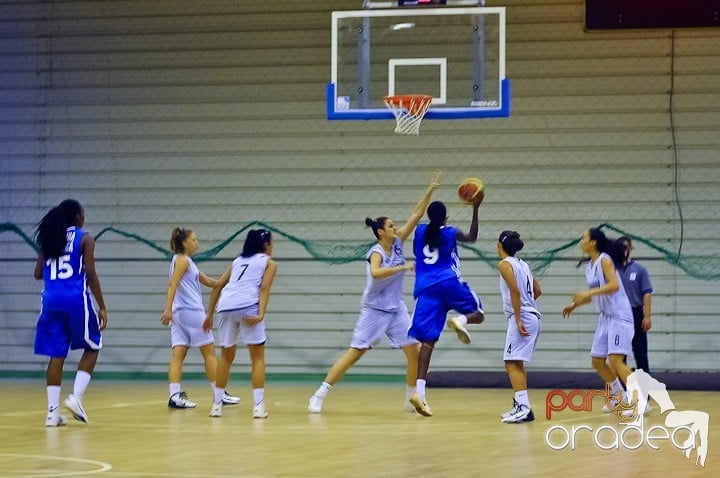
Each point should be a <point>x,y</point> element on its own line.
<point>462,320</point>
<point>421,387</point>
<point>53,396</point>
<point>218,394</point>
<point>323,390</point>
<point>174,388</point>
<point>522,398</point>
<point>615,387</point>
<point>258,395</point>
<point>82,380</point>
<point>410,392</point>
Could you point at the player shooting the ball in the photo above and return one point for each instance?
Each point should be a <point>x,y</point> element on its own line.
<point>440,288</point>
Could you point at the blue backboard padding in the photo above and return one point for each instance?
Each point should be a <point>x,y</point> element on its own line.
<point>434,113</point>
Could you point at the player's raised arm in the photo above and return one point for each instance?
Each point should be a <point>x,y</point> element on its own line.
<point>472,233</point>
<point>420,208</point>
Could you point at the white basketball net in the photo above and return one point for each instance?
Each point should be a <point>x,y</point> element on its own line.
<point>409,111</point>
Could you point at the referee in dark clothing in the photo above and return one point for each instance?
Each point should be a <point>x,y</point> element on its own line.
<point>638,288</point>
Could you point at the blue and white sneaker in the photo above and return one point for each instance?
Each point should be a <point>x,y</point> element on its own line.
<point>75,406</point>
<point>55,418</point>
<point>512,410</point>
<point>180,400</point>
<point>229,399</point>
<point>522,414</point>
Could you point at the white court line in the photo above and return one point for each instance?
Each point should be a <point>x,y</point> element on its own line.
<point>102,466</point>
<point>107,407</point>
<point>145,474</point>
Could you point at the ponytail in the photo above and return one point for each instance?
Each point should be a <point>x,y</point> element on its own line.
<point>613,248</point>
<point>255,242</point>
<point>510,242</point>
<point>376,224</point>
<point>177,238</point>
<point>50,232</point>
<point>437,213</point>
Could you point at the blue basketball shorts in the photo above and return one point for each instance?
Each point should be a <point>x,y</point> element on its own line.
<point>73,327</point>
<point>433,304</point>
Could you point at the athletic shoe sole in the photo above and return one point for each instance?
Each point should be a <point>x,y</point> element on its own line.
<point>462,334</point>
<point>527,418</point>
<point>230,400</point>
<point>421,406</point>
<point>78,412</point>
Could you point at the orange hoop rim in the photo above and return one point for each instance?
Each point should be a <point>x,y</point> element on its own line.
<point>414,103</point>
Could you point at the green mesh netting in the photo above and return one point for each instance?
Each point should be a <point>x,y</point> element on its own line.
<point>705,267</point>
<point>332,252</point>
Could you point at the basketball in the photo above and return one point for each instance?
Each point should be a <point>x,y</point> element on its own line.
<point>469,188</point>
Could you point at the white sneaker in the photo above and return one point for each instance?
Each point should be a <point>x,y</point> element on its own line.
<point>259,411</point>
<point>421,405</point>
<point>613,404</point>
<point>216,410</point>
<point>462,333</point>
<point>409,407</point>
<point>315,404</point>
<point>75,406</point>
<point>180,400</point>
<point>512,410</point>
<point>55,418</point>
<point>522,414</point>
<point>229,399</point>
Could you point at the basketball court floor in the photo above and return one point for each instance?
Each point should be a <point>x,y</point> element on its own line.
<point>363,431</point>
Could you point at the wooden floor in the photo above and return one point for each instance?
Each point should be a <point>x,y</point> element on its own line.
<point>362,432</point>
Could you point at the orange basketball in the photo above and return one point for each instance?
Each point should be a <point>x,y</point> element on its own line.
<point>469,188</point>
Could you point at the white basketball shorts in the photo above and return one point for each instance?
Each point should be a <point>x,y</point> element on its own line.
<point>518,346</point>
<point>232,329</point>
<point>186,329</point>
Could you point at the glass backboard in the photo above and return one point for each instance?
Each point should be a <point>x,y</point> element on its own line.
<point>454,54</point>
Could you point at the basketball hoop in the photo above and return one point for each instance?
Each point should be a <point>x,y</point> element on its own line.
<point>409,111</point>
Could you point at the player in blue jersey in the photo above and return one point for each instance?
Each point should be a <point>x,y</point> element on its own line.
<point>68,319</point>
<point>439,288</point>
<point>383,310</point>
